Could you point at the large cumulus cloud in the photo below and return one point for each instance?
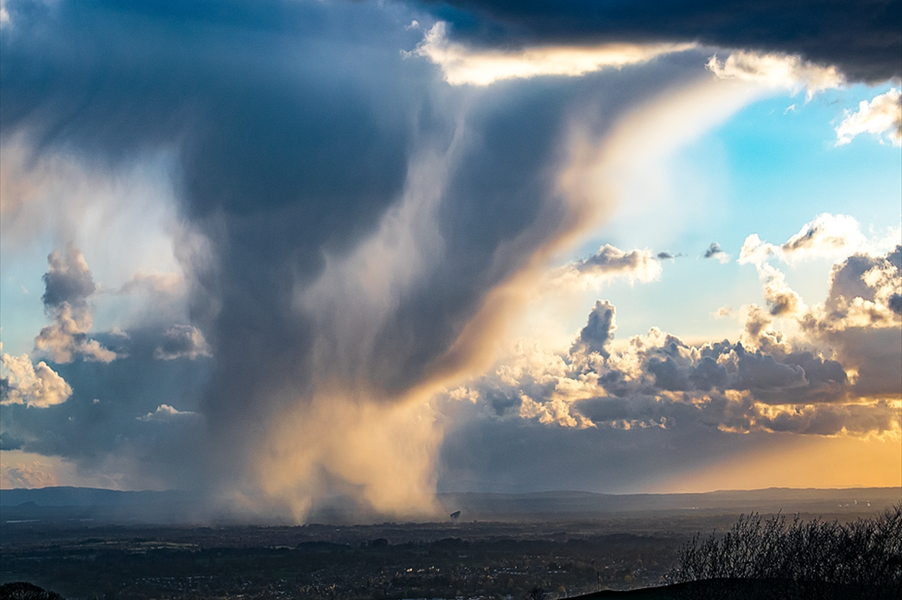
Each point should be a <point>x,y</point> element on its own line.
<point>834,372</point>
<point>68,284</point>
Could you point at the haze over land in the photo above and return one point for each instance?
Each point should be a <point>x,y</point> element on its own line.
<point>74,508</point>
<point>283,254</point>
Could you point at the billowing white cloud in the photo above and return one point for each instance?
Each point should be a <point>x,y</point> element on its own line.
<point>835,373</point>
<point>607,264</point>
<point>777,70</point>
<point>68,284</point>
<point>462,65</point>
<point>167,414</point>
<point>66,339</point>
<point>882,115</point>
<point>827,236</point>
<point>21,382</point>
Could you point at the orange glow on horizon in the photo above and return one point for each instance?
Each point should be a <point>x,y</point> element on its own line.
<point>799,462</point>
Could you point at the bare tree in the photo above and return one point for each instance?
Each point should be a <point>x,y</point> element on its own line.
<point>814,559</point>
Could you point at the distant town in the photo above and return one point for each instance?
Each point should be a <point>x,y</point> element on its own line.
<point>506,557</point>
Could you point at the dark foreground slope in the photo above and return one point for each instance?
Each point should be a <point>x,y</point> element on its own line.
<point>744,589</point>
<point>22,590</point>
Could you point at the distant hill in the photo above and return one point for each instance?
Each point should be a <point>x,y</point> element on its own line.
<point>79,496</point>
<point>93,504</point>
<point>587,504</point>
<point>113,506</point>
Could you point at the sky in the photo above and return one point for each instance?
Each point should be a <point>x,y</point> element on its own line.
<point>286,252</point>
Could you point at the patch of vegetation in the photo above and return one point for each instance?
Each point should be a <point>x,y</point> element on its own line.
<point>22,590</point>
<point>813,559</point>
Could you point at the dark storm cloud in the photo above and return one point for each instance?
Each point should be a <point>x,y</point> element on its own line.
<point>861,38</point>
<point>237,82</point>
<point>293,127</point>
<point>292,123</point>
<point>895,303</point>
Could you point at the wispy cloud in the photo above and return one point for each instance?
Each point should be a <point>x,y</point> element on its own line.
<point>462,65</point>
<point>777,70</point>
<point>882,115</point>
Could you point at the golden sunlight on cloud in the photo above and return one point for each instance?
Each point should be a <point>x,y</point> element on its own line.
<point>881,115</point>
<point>33,385</point>
<point>778,71</point>
<point>20,469</point>
<point>462,65</point>
<point>800,462</point>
